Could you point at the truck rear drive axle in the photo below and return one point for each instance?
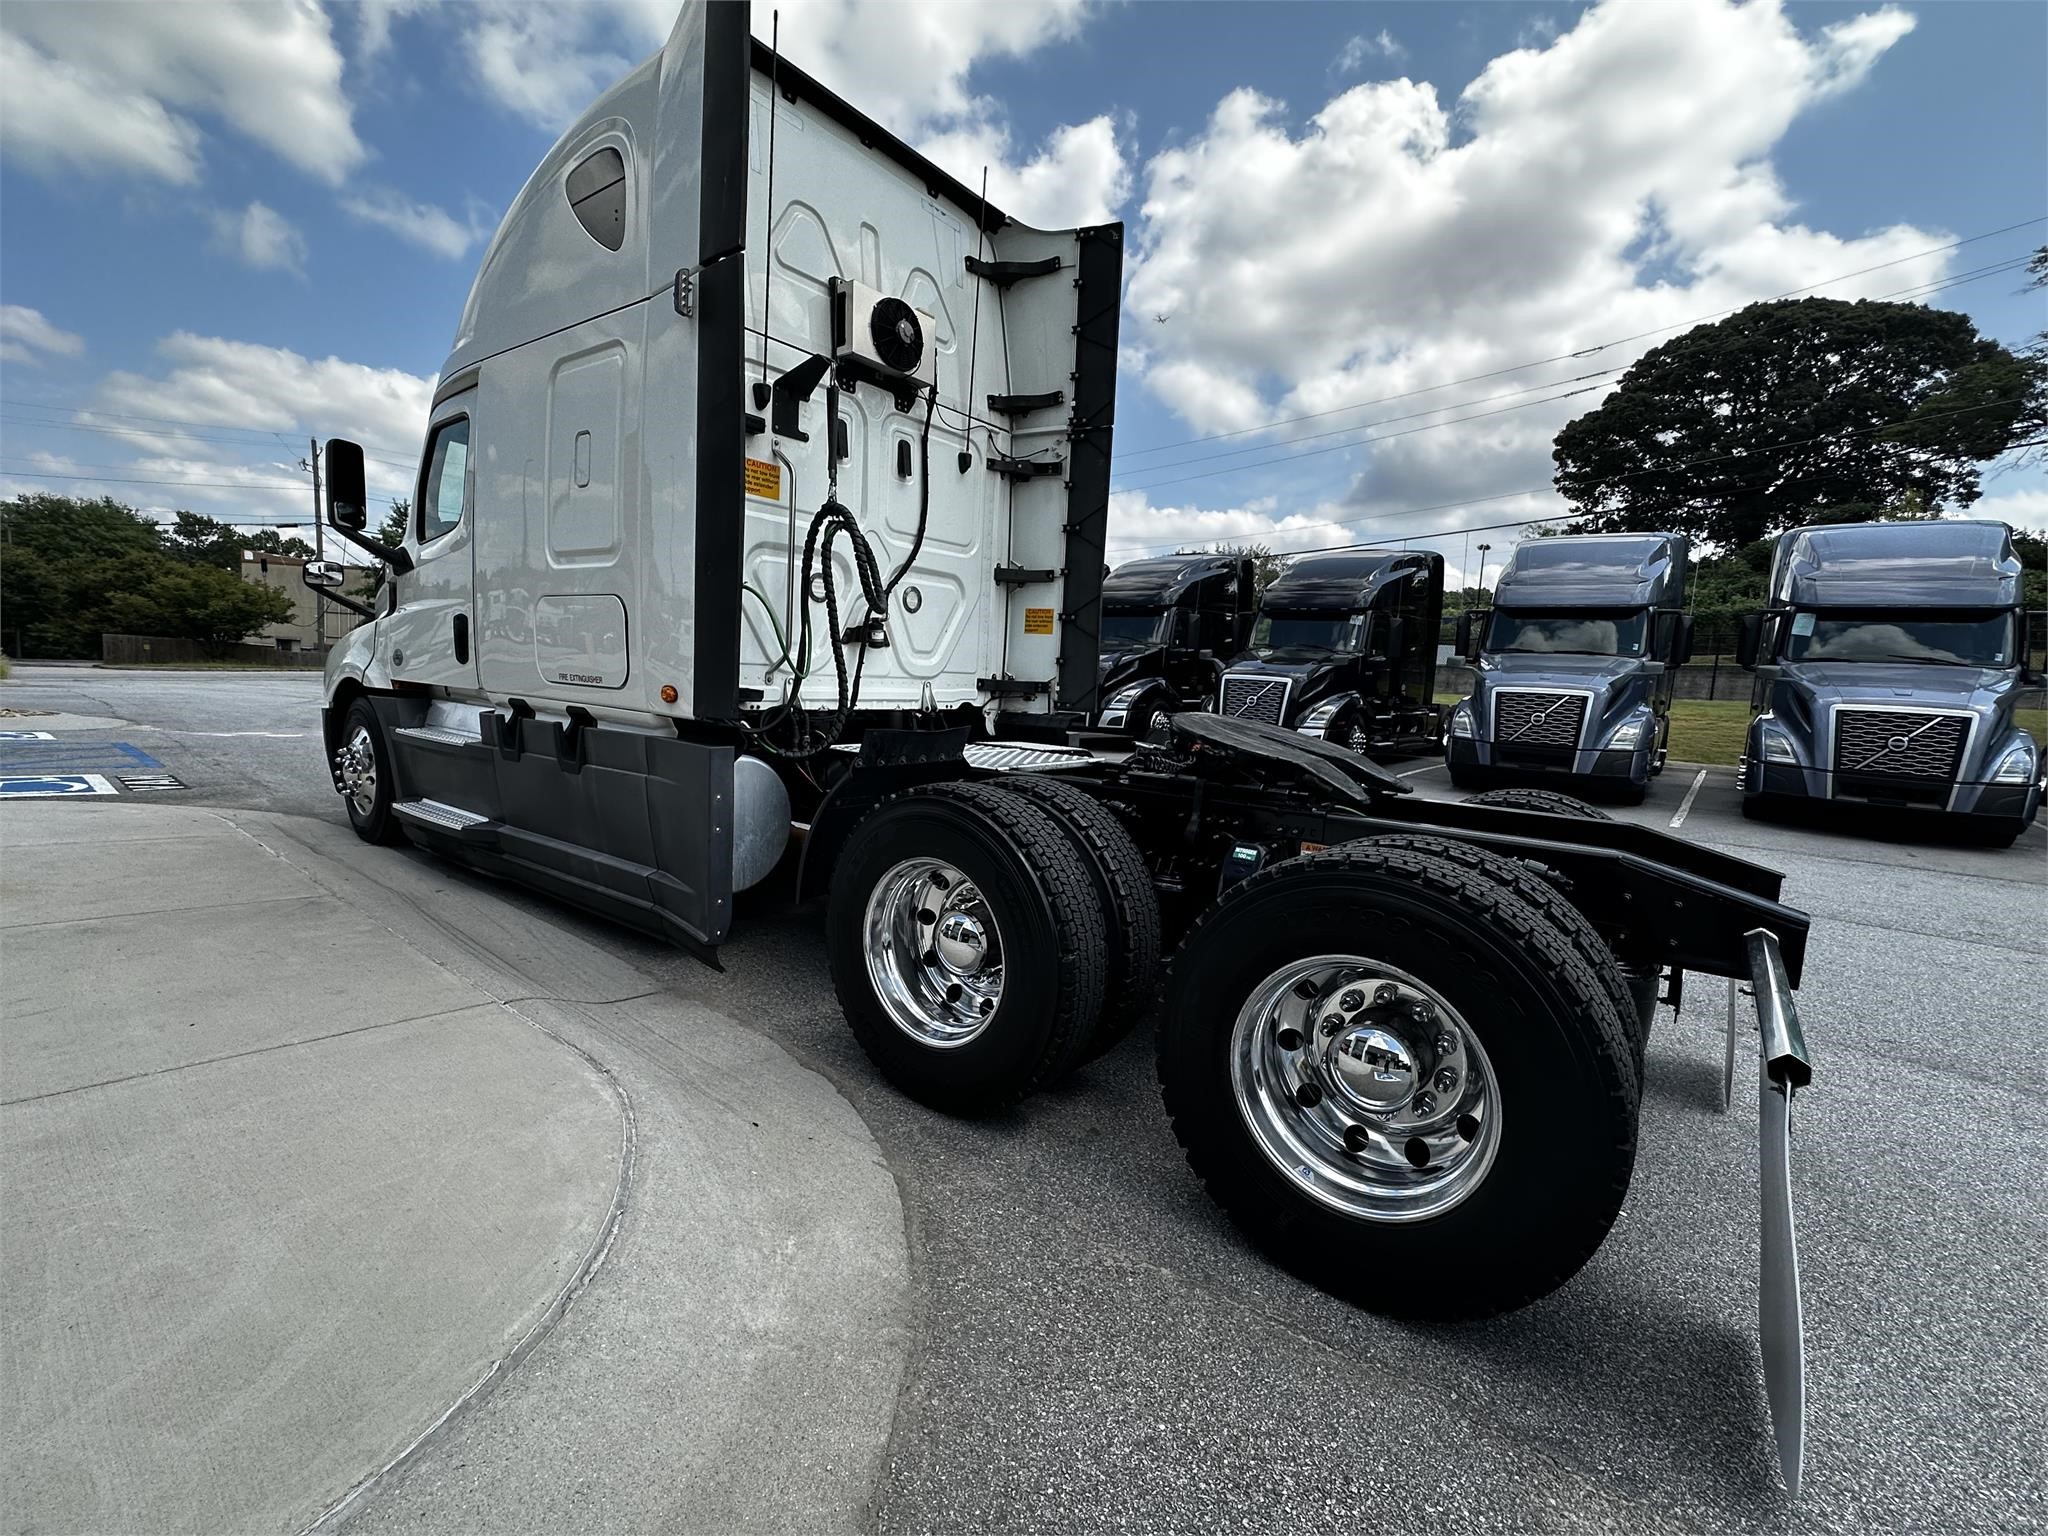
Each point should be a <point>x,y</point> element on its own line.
<point>1401,1042</point>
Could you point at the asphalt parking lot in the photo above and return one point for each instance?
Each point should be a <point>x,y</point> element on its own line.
<point>1097,1350</point>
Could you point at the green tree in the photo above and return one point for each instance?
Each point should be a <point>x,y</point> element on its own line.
<point>72,570</point>
<point>209,541</point>
<point>392,532</point>
<point>187,601</point>
<point>1768,419</point>
<point>1266,562</point>
<point>64,527</point>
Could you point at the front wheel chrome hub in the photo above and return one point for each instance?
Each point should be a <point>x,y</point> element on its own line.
<point>934,952</point>
<point>1365,1088</point>
<point>355,765</point>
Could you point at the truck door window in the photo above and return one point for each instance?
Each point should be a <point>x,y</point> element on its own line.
<point>445,496</point>
<point>597,195</point>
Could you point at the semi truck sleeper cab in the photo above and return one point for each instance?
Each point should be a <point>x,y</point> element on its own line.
<point>1888,671</point>
<point>1573,667</point>
<point>1344,650</point>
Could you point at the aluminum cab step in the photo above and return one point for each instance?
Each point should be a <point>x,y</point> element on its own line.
<point>440,736</point>
<point>437,816</point>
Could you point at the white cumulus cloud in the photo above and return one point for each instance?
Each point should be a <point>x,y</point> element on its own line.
<point>1613,181</point>
<point>260,237</point>
<point>116,85</point>
<point>1351,58</point>
<point>27,337</point>
<point>423,224</point>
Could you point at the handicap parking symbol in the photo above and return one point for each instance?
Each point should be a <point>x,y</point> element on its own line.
<point>45,786</point>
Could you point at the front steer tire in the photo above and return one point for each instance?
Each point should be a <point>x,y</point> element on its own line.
<point>363,767</point>
<point>1558,1059</point>
<point>1030,886</point>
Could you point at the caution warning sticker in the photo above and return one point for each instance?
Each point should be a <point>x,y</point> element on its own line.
<point>1037,621</point>
<point>764,478</point>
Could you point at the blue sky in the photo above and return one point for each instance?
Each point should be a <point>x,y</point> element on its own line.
<point>221,231</point>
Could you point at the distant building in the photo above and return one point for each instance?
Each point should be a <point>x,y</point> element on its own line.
<point>284,572</point>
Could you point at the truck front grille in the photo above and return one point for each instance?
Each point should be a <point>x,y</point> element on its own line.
<point>1537,727</point>
<point>1892,754</point>
<point>1250,696</point>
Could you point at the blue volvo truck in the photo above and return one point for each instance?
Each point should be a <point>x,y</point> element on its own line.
<point>1888,667</point>
<point>1573,665</point>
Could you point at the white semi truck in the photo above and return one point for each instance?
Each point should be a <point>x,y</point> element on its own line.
<point>759,523</point>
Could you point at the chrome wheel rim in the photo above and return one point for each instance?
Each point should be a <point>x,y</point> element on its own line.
<point>935,953</point>
<point>356,766</point>
<point>1366,1090</point>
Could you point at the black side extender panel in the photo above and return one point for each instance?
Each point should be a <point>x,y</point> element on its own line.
<point>633,826</point>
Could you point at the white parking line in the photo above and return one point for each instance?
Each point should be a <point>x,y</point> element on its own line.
<point>1686,804</point>
<point>1409,773</point>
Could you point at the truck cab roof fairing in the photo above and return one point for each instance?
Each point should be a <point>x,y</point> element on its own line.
<point>1630,570</point>
<point>1156,583</point>
<point>1341,581</point>
<point>1951,563</point>
<point>542,271</point>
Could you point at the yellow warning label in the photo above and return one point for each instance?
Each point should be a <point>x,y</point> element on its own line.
<point>1037,621</point>
<point>764,478</point>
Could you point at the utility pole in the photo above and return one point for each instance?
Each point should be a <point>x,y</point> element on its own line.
<point>1484,549</point>
<point>319,549</point>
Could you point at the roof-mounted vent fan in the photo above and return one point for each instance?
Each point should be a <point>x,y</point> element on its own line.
<point>885,333</point>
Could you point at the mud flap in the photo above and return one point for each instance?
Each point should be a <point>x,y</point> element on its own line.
<point>1785,1070</point>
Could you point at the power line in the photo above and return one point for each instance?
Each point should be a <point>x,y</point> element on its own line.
<point>1435,410</point>
<point>1288,458</point>
<point>1917,290</point>
<point>224,485</point>
<point>208,437</point>
<point>1654,469</point>
<point>1582,352</point>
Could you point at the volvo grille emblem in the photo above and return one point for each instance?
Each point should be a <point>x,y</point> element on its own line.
<point>1897,744</point>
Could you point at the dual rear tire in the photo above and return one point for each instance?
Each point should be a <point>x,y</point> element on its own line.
<point>988,938</point>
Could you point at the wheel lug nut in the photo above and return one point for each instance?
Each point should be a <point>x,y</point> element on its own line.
<point>1445,1043</point>
<point>1352,1001</point>
<point>1289,1039</point>
<point>1332,1022</point>
<point>1446,1079</point>
<point>1308,1095</point>
<point>1384,993</point>
<point>1424,1103</point>
<point>1422,1013</point>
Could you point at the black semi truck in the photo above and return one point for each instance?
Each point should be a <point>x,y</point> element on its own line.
<point>1344,651</point>
<point>1165,623</point>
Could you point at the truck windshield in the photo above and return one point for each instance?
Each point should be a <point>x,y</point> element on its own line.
<point>1316,634</point>
<point>1975,639</point>
<point>1585,632</point>
<point>1128,631</point>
